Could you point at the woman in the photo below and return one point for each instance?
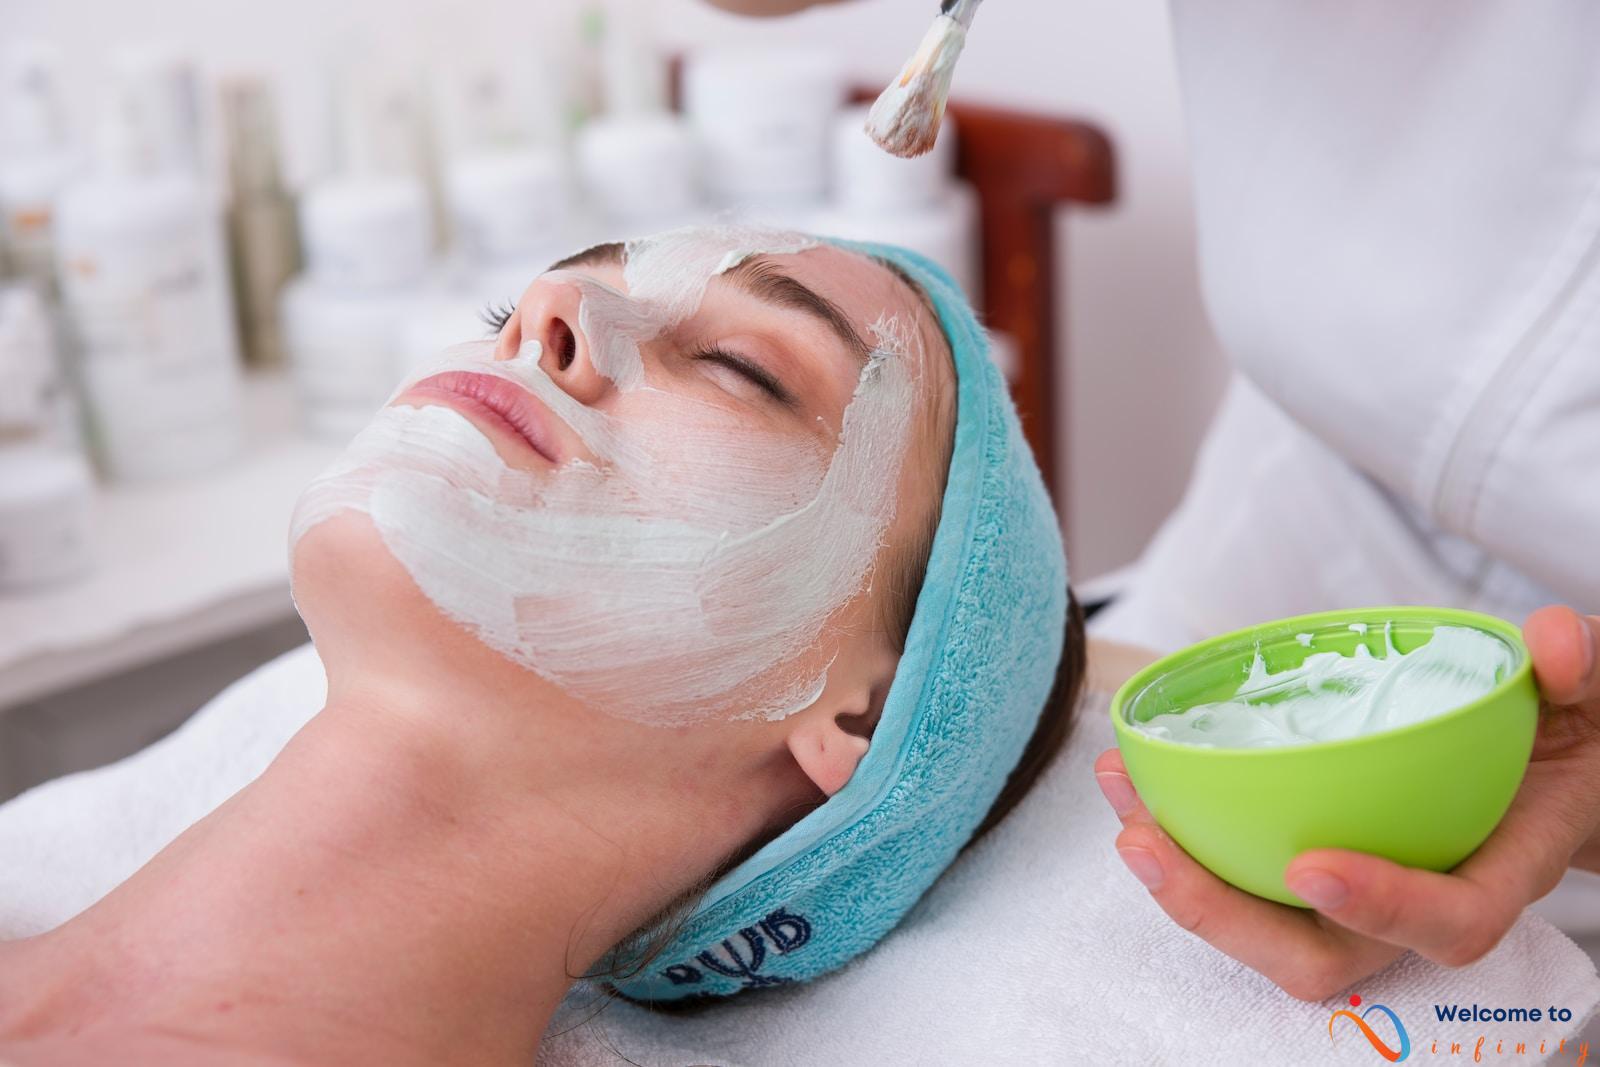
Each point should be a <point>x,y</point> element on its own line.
<point>492,802</point>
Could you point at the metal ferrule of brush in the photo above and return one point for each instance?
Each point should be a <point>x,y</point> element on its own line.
<point>960,10</point>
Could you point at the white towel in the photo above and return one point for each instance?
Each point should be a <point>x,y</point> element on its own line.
<point>1036,947</point>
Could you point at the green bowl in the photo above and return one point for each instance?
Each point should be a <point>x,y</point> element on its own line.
<point>1424,795</point>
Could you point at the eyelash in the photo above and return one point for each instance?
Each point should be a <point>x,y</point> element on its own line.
<point>751,371</point>
<point>495,315</point>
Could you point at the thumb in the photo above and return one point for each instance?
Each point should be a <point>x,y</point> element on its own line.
<point>1565,647</point>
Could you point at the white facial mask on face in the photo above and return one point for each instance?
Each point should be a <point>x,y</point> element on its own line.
<point>688,573</point>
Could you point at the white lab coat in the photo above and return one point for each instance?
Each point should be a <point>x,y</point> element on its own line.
<point>1399,229</point>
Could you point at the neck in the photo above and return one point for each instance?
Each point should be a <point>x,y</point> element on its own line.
<point>398,881</point>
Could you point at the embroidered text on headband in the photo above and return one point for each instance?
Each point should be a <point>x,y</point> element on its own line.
<point>978,665</point>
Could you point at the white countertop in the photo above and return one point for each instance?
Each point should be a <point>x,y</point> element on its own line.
<point>179,564</point>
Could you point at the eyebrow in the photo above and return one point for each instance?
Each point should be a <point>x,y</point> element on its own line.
<point>760,278</point>
<point>607,254</point>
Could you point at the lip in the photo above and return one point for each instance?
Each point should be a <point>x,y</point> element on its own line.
<point>505,405</point>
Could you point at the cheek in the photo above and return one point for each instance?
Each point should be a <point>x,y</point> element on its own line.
<point>697,463</point>
<point>687,575</point>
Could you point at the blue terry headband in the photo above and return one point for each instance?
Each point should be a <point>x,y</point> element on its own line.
<point>978,664</point>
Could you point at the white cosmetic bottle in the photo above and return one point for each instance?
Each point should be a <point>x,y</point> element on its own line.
<point>915,203</point>
<point>368,236</point>
<point>511,212</point>
<point>46,487</point>
<point>637,162</point>
<point>368,241</point>
<point>173,83</point>
<point>507,186</point>
<point>508,195</point>
<point>144,280</point>
<point>36,161</point>
<point>508,206</point>
<point>761,118</point>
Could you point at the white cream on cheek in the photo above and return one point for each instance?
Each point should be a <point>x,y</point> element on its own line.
<point>689,572</point>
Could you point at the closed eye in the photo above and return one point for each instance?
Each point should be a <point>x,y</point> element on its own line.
<point>753,372</point>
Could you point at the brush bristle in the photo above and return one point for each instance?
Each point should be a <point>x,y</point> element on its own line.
<point>905,118</point>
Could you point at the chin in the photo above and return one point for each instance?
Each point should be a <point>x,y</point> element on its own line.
<point>368,619</point>
<point>354,595</point>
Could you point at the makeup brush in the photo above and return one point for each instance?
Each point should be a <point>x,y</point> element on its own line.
<point>905,119</point>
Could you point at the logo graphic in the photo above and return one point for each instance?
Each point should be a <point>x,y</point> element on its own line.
<point>1390,1054</point>
<point>783,928</point>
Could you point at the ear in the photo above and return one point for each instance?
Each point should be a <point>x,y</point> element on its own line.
<point>826,751</point>
<point>828,739</point>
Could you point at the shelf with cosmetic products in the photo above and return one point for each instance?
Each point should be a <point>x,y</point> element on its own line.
<point>179,563</point>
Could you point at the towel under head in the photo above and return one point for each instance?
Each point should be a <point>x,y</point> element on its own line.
<point>977,668</point>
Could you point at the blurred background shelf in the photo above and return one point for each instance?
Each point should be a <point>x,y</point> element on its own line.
<point>190,588</point>
<point>157,588</point>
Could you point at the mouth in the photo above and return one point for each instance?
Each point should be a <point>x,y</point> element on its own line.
<point>502,405</point>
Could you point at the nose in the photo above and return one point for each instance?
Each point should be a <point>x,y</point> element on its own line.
<point>548,313</point>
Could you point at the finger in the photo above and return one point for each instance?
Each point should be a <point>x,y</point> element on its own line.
<point>1565,647</point>
<point>1112,776</point>
<point>766,8</point>
<point>1458,917</point>
<point>1307,957</point>
<point>1446,918</point>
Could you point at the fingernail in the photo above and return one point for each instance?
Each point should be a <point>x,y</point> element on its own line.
<point>1118,790</point>
<point>1319,889</point>
<point>1144,866</point>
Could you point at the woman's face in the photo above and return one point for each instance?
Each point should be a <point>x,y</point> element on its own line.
<point>664,487</point>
